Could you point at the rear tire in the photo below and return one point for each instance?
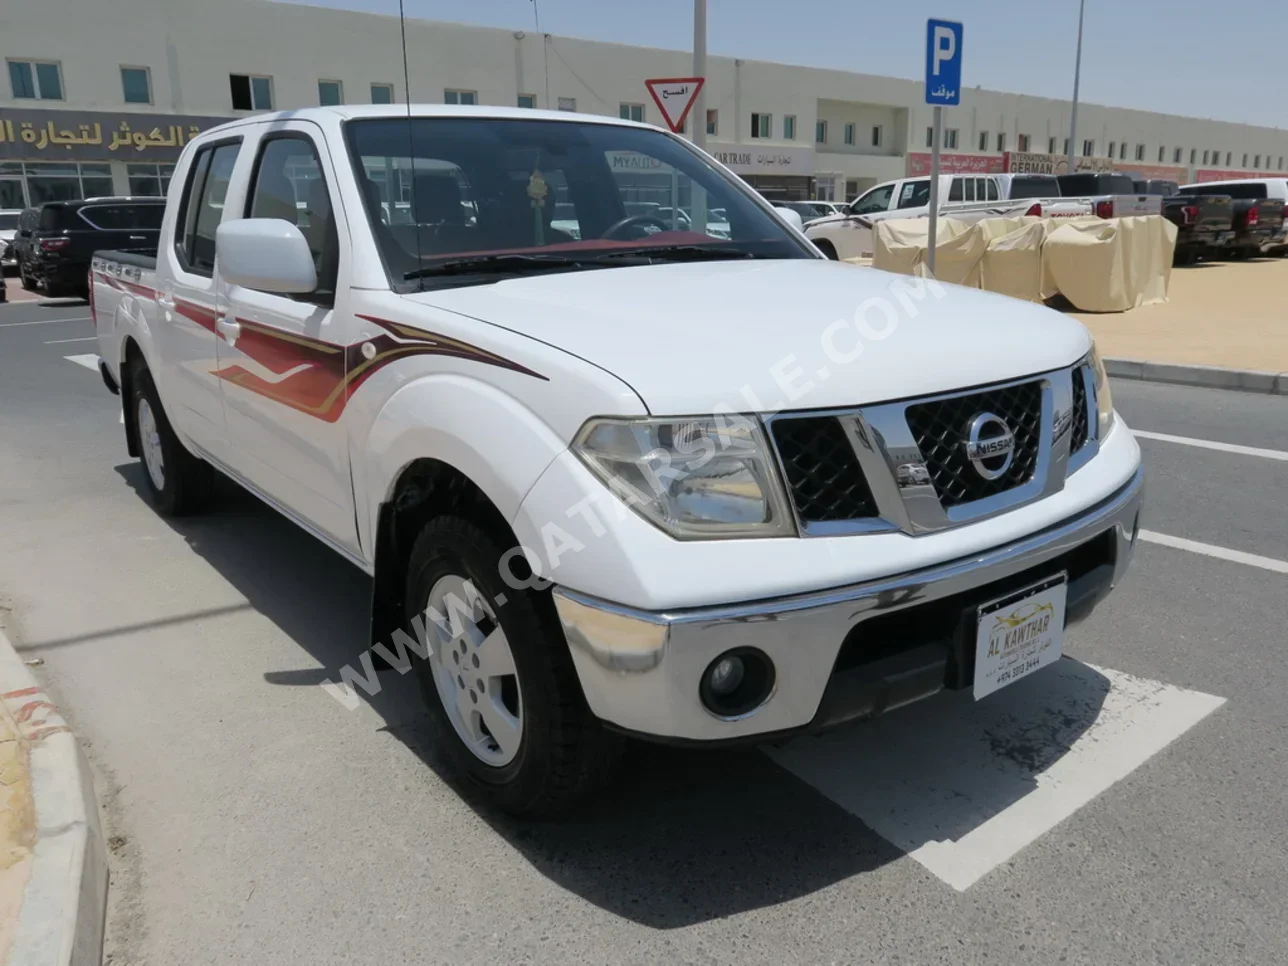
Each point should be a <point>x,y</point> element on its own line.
<point>177,482</point>
<point>552,751</point>
<point>28,283</point>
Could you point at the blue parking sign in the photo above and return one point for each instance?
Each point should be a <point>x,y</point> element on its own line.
<point>943,62</point>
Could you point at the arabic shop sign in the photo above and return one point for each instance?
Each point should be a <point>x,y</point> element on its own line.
<point>97,136</point>
<point>919,164</point>
<point>753,159</point>
<point>1019,162</point>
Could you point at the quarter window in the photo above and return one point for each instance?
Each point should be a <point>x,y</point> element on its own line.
<point>203,206</point>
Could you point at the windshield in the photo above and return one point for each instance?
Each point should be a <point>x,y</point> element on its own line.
<point>471,188</point>
<point>8,221</point>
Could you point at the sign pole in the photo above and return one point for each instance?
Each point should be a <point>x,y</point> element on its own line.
<point>698,203</point>
<point>934,189</point>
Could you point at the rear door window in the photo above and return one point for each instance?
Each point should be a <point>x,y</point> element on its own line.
<point>202,207</point>
<point>914,194</point>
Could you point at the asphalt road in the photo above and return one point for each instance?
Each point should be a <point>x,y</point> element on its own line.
<point>1126,806</point>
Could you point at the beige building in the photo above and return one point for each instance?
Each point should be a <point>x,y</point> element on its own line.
<point>103,96</point>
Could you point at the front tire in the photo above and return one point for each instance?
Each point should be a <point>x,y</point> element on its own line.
<point>177,482</point>
<point>504,702</point>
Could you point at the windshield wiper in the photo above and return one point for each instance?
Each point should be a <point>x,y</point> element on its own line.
<point>489,264</point>
<point>681,253</point>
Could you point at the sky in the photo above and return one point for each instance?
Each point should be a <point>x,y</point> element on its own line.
<point>1220,59</point>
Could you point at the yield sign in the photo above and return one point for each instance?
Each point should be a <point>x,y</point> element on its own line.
<point>674,97</point>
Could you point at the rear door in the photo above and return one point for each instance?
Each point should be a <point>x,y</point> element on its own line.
<point>186,331</point>
<point>282,359</point>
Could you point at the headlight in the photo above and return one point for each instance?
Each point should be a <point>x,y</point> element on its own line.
<point>701,478</point>
<point>1104,398</point>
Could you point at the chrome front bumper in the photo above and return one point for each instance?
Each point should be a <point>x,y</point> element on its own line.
<point>838,654</point>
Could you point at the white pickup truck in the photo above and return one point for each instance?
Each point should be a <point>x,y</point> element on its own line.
<point>631,484</point>
<point>967,197</point>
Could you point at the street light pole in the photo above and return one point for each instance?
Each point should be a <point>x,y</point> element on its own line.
<point>699,112</point>
<point>1077,74</point>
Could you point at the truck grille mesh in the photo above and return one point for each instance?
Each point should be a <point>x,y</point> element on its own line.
<point>940,428</point>
<point>1081,427</point>
<point>823,474</point>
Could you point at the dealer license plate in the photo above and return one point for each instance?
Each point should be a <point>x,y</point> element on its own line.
<point>1019,633</point>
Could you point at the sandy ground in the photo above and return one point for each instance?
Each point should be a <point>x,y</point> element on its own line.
<point>1217,314</point>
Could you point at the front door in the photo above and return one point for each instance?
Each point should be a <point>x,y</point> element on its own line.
<point>282,357</point>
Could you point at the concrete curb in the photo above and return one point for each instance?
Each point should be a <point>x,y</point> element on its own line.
<point>1211,377</point>
<point>65,901</point>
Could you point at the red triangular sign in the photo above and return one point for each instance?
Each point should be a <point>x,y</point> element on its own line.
<point>674,97</point>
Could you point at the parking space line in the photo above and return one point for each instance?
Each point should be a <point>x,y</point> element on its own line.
<point>88,338</point>
<point>15,325</point>
<point>88,361</point>
<point>1211,550</point>
<point>1269,454</point>
<point>963,786</point>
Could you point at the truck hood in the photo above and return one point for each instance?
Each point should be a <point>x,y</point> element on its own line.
<point>770,335</point>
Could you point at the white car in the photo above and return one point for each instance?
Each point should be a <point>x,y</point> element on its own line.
<point>965,197</point>
<point>632,484</point>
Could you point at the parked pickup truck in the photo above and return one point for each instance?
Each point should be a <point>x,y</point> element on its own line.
<point>1110,195</point>
<point>965,197</point>
<point>1204,223</point>
<point>627,485</point>
<point>1259,223</point>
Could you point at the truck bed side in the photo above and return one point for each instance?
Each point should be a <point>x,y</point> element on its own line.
<point>122,301</point>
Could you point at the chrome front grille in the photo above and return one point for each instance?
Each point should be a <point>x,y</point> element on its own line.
<point>938,428</point>
<point>822,471</point>
<point>912,465</point>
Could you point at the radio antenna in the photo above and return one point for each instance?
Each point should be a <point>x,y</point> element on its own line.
<point>411,153</point>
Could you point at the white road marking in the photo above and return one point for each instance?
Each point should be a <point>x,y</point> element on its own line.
<point>88,338</point>
<point>963,786</point>
<point>14,325</point>
<point>89,361</point>
<point>1211,550</point>
<point>1269,454</point>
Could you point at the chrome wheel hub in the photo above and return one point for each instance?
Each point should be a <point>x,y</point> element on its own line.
<point>473,670</point>
<point>150,443</point>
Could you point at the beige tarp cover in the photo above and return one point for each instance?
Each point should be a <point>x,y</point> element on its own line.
<point>1099,265</point>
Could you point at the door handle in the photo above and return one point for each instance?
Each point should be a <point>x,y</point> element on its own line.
<point>165,302</point>
<point>228,328</point>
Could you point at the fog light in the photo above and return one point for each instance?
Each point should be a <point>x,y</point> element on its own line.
<point>737,682</point>
<point>726,675</point>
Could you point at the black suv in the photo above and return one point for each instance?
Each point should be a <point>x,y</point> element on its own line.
<point>70,232</point>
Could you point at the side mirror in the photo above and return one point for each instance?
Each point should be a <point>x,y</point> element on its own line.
<point>268,254</point>
<point>792,217</point>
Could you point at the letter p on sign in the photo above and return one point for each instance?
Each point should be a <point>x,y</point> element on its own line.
<point>943,62</point>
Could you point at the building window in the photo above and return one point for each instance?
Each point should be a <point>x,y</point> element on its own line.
<point>762,125</point>
<point>1051,146</point>
<point>713,121</point>
<point>1245,159</point>
<point>1281,162</point>
<point>1001,141</point>
<point>1229,157</point>
<point>1140,152</point>
<point>950,138</point>
<point>136,85</point>
<point>1194,153</point>
<point>1205,157</point>
<point>330,93</point>
<point>789,127</point>
<point>820,132</point>
<point>1022,143</point>
<point>1256,161</point>
<point>1216,155</point>
<point>1112,146</point>
<point>930,137</point>
<point>251,93</point>
<point>1122,151</point>
<point>567,103</point>
<point>983,140</point>
<point>877,135</point>
<point>36,79</point>
<point>382,93</point>
<point>460,97</point>
<point>1067,148</point>
<point>630,112</point>
<point>1176,156</point>
<point>848,133</point>
<point>528,100</point>
<point>1162,154</point>
<point>149,180</point>
<point>1088,149</point>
